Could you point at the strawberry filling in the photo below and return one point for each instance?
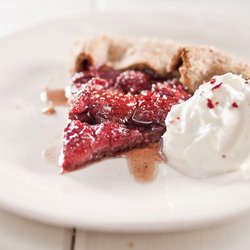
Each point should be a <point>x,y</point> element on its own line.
<point>113,111</point>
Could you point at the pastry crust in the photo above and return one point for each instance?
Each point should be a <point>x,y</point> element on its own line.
<point>192,64</point>
<point>199,63</point>
<point>123,53</point>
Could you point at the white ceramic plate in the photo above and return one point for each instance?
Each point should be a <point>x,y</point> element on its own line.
<point>103,196</point>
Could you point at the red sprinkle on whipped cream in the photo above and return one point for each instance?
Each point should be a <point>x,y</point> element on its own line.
<point>204,124</point>
<point>212,81</point>
<point>210,103</point>
<point>235,105</point>
<point>217,86</point>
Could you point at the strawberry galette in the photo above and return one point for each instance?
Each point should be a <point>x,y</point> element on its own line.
<point>122,91</point>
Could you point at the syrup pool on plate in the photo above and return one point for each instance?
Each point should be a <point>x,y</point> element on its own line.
<point>56,96</point>
<point>143,162</point>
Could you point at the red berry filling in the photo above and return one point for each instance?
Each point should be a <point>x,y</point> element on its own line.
<point>133,82</point>
<point>112,111</point>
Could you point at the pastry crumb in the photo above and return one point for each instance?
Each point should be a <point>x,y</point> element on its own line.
<point>223,156</point>
<point>50,110</point>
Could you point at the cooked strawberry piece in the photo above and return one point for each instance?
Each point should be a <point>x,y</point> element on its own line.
<point>152,108</point>
<point>81,101</point>
<point>111,106</point>
<point>80,105</point>
<point>103,72</point>
<point>96,83</point>
<point>83,117</point>
<point>77,145</point>
<point>133,82</point>
<point>84,142</point>
<point>171,88</point>
<point>83,77</point>
<point>152,134</point>
<point>120,137</point>
<point>108,74</point>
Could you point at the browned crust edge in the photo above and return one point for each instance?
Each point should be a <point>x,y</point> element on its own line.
<point>199,63</point>
<point>123,53</point>
<point>194,64</point>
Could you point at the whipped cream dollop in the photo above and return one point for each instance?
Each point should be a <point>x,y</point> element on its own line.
<point>209,134</point>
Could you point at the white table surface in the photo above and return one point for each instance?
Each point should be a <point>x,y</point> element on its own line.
<point>22,234</point>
